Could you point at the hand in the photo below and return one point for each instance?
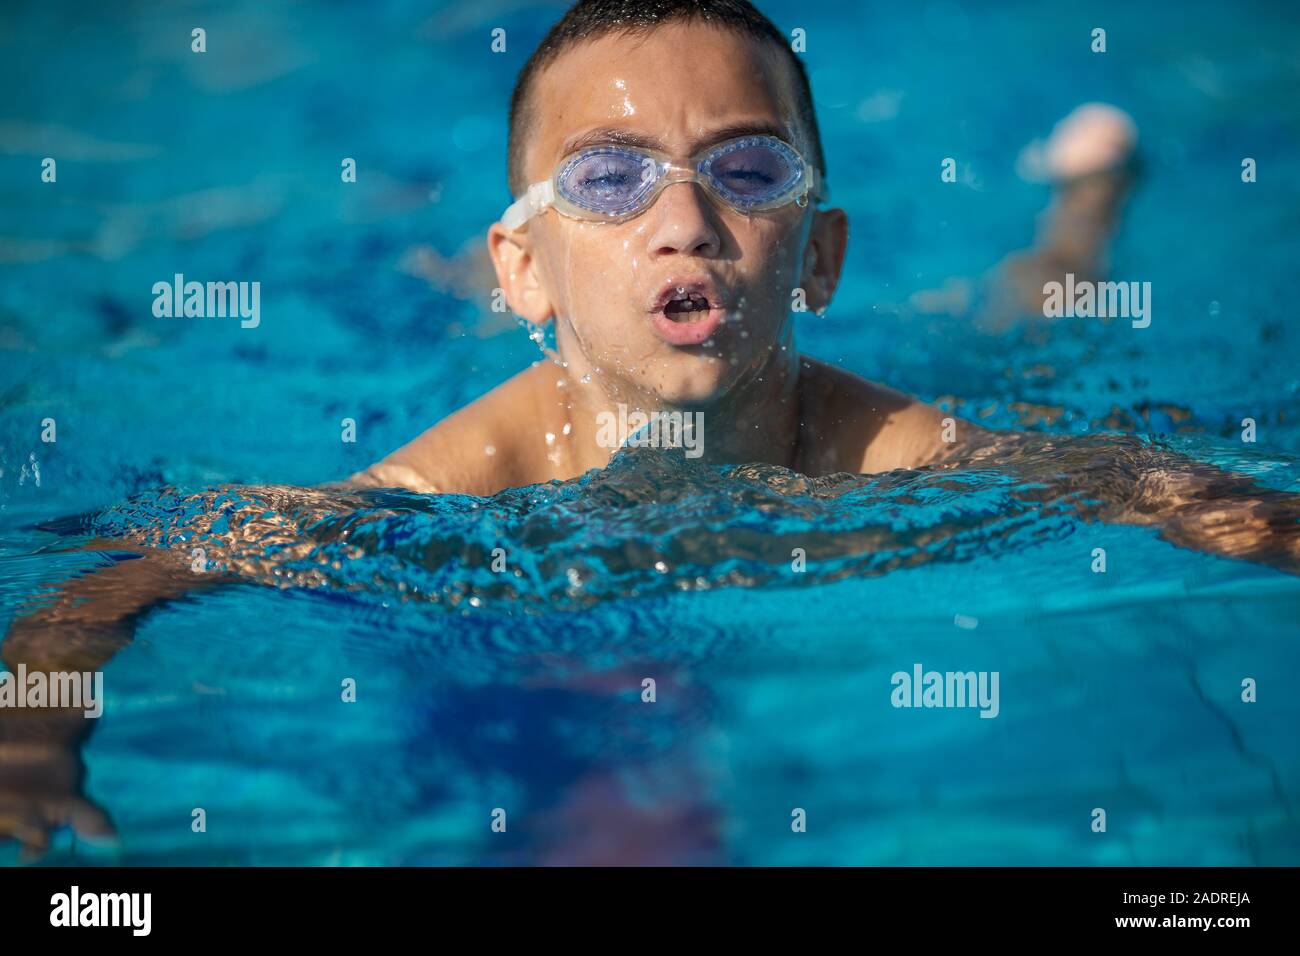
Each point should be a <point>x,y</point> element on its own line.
<point>1208,510</point>
<point>40,792</point>
<point>1258,530</point>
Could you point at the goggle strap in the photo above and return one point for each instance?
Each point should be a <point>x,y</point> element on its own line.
<point>532,203</point>
<point>820,191</point>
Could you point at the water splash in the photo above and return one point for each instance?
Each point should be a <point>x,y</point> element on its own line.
<point>651,522</point>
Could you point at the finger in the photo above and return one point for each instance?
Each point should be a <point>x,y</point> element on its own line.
<point>91,822</point>
<point>81,815</point>
<point>35,840</point>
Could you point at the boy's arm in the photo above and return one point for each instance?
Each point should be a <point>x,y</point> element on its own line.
<point>1119,479</point>
<point>1196,505</point>
<point>1122,479</point>
<point>90,619</point>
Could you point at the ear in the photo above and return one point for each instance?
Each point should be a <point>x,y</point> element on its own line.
<point>517,274</point>
<point>824,256</point>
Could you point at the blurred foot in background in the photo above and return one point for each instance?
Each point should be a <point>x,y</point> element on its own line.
<point>1089,161</point>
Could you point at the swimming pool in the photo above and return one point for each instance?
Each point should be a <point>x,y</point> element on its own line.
<point>523,690</point>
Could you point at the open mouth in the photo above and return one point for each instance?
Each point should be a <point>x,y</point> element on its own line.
<point>687,311</point>
<point>687,307</point>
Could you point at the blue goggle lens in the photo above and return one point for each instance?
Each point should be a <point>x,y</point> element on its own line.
<point>753,172</point>
<point>608,179</point>
<point>615,181</point>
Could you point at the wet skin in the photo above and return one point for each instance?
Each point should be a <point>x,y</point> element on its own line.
<point>597,283</point>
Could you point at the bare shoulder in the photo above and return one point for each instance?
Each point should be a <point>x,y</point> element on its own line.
<point>492,443</point>
<point>852,424</point>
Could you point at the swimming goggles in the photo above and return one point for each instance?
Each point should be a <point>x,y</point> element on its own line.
<point>612,183</point>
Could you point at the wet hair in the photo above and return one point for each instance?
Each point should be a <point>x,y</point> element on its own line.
<point>590,19</point>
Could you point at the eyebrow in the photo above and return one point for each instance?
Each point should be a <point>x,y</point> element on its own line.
<point>614,135</point>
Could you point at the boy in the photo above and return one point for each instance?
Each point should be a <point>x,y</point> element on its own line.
<point>672,295</point>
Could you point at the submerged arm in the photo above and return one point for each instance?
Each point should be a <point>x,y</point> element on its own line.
<point>1198,506</point>
<point>1124,479</point>
<point>90,619</point>
<point>93,616</point>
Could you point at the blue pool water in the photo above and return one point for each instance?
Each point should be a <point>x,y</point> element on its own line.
<point>522,690</point>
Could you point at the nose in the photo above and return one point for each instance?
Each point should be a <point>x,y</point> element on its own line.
<point>684,222</point>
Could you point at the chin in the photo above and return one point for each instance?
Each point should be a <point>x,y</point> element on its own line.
<point>698,386</point>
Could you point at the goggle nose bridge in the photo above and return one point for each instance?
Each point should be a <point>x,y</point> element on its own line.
<point>672,173</point>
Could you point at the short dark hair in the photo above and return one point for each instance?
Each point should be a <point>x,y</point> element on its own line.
<point>589,19</point>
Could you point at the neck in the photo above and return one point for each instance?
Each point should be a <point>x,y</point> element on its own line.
<point>757,420</point>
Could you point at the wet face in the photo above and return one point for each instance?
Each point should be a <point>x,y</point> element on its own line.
<point>608,286</point>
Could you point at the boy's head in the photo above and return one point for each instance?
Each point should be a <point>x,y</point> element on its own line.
<point>676,77</point>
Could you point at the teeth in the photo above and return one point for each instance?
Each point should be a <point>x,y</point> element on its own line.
<point>692,303</point>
